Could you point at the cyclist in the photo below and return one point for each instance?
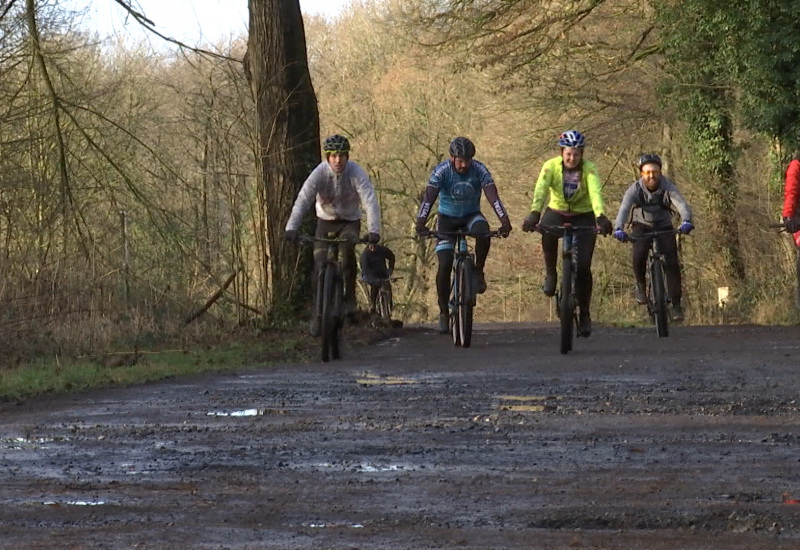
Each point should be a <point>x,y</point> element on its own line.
<point>647,205</point>
<point>340,189</point>
<point>791,212</point>
<point>377,265</point>
<point>458,182</point>
<point>576,198</point>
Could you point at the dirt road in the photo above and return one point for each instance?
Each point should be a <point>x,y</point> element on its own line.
<point>631,441</point>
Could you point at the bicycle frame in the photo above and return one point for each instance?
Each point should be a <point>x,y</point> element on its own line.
<point>463,292</point>
<point>566,302</point>
<point>328,303</point>
<point>657,297</point>
<point>384,302</point>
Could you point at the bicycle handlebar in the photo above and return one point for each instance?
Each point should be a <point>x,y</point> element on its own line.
<point>779,225</point>
<point>651,234</point>
<point>460,233</point>
<point>561,229</point>
<point>330,240</point>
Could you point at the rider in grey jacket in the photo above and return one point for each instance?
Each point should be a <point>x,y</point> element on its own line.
<point>647,205</point>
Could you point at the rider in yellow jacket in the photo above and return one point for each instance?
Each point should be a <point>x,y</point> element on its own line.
<point>575,197</point>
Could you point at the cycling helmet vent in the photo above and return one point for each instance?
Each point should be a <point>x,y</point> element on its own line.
<point>571,138</point>
<point>336,144</point>
<point>462,148</point>
<point>649,158</point>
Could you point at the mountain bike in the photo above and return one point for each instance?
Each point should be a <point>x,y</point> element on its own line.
<point>657,297</point>
<point>566,302</point>
<point>329,302</point>
<point>463,285</point>
<point>384,303</point>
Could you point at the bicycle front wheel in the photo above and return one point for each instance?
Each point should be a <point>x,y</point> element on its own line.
<point>659,298</point>
<point>330,328</point>
<point>465,275</point>
<point>385,302</point>
<point>566,307</point>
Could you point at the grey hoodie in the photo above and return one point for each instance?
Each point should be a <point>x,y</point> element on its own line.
<point>652,208</point>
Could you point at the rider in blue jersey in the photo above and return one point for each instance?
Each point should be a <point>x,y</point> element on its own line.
<point>458,183</point>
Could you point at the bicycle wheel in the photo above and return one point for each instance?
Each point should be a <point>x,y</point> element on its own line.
<point>338,316</point>
<point>467,296</point>
<point>385,301</point>
<point>659,298</point>
<point>455,298</point>
<point>329,331</point>
<point>566,306</point>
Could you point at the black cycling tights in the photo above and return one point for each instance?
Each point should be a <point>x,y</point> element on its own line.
<point>585,242</point>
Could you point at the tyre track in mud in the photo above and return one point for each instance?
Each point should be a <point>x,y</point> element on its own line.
<point>630,441</point>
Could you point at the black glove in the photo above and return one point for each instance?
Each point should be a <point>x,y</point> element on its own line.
<point>505,228</point>
<point>422,230</point>
<point>291,235</point>
<point>604,224</point>
<point>791,225</point>
<point>371,238</point>
<point>531,221</point>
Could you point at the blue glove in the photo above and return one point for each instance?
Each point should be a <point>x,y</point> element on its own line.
<point>685,228</point>
<point>621,236</point>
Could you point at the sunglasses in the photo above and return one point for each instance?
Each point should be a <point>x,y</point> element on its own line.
<point>651,172</point>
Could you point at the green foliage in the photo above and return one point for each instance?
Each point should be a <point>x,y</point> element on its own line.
<point>65,375</point>
<point>748,52</point>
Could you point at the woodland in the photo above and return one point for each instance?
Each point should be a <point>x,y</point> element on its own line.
<point>140,203</point>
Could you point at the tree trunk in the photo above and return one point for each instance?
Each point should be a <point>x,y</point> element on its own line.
<point>724,199</point>
<point>288,132</point>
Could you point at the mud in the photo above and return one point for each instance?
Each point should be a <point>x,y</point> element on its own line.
<point>630,441</point>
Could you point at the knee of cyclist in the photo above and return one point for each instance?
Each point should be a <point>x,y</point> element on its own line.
<point>480,226</point>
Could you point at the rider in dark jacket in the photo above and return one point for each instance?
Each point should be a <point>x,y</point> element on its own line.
<point>377,265</point>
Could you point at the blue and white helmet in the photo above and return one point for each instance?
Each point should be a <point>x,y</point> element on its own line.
<point>571,138</point>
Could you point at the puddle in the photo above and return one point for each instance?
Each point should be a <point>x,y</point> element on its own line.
<point>247,412</point>
<point>366,467</point>
<point>335,525</point>
<point>390,342</point>
<point>23,443</point>
<point>132,470</point>
<point>372,468</point>
<point>524,408</point>
<point>371,379</point>
<point>528,403</point>
<point>75,503</point>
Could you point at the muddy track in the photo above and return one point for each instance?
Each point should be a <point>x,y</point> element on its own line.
<point>631,441</point>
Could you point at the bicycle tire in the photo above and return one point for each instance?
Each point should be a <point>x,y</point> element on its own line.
<point>465,309</point>
<point>659,298</point>
<point>329,330</point>
<point>566,306</point>
<point>455,298</point>
<point>385,302</point>
<point>338,316</point>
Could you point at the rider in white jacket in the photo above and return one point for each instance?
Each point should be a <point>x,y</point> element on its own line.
<point>340,189</point>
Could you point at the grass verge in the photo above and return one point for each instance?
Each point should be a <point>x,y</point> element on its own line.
<point>121,368</point>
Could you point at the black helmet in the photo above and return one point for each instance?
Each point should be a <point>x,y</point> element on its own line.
<point>336,144</point>
<point>462,148</point>
<point>649,158</point>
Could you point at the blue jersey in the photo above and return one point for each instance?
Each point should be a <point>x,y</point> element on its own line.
<point>460,195</point>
